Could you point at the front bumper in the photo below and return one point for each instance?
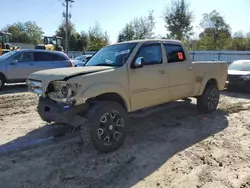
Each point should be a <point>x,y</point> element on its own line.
<point>51,111</point>
<point>239,84</point>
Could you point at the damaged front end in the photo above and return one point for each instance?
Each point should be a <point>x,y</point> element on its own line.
<point>61,91</point>
<point>57,103</point>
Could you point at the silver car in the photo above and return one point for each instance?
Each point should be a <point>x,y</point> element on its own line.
<point>16,66</point>
<point>80,61</point>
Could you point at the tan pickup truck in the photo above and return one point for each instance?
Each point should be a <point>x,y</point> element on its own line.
<point>120,79</point>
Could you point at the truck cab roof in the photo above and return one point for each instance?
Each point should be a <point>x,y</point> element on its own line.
<point>151,40</point>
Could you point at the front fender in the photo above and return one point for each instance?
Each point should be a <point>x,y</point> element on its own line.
<point>103,88</point>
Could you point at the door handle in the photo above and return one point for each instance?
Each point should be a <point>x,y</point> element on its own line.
<point>161,71</point>
<point>190,68</point>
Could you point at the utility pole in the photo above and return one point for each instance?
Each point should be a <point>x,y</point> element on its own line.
<point>67,16</point>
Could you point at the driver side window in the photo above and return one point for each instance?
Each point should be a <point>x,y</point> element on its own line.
<point>24,57</point>
<point>17,58</point>
<point>151,54</point>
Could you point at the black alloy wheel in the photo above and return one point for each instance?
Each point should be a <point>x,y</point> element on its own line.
<point>106,128</point>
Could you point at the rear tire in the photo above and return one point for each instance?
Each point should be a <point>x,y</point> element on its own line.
<point>106,128</point>
<point>209,100</point>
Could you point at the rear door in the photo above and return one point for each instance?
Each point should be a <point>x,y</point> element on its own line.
<point>46,60</point>
<point>20,66</point>
<point>179,71</point>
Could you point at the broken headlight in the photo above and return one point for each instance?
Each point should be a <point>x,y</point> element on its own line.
<point>35,87</point>
<point>61,91</point>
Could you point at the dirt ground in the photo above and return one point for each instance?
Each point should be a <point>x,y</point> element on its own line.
<point>171,146</point>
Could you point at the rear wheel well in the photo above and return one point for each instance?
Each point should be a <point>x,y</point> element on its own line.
<point>212,81</point>
<point>109,97</point>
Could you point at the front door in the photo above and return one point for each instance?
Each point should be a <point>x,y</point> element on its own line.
<point>179,72</point>
<point>20,66</point>
<point>147,84</point>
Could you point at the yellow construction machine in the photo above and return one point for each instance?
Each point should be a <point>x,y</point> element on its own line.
<point>5,45</point>
<point>53,43</point>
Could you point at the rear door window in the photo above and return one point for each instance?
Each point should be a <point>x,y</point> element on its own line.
<point>175,53</point>
<point>43,56</point>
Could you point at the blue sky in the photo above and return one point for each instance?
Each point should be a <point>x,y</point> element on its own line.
<point>114,14</point>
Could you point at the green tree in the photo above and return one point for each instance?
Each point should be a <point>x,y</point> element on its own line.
<point>248,41</point>
<point>216,34</point>
<point>25,32</point>
<point>238,42</point>
<point>61,31</point>
<point>127,33</point>
<point>84,40</point>
<point>139,28</point>
<point>178,19</point>
<point>77,41</point>
<point>97,38</point>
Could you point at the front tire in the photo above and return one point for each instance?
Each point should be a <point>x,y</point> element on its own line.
<point>209,100</point>
<point>2,82</point>
<point>106,128</point>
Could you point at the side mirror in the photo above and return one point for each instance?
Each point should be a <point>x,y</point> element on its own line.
<point>138,62</point>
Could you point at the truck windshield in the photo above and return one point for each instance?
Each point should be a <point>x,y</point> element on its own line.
<point>50,40</point>
<point>239,66</point>
<point>114,55</point>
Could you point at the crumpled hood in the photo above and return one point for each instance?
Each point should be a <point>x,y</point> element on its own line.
<point>236,72</point>
<point>46,76</point>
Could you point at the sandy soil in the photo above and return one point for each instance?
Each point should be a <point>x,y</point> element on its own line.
<point>169,146</point>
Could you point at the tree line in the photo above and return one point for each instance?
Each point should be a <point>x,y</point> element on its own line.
<point>30,33</point>
<point>215,33</point>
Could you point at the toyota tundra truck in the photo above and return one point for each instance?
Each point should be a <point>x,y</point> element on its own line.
<point>120,79</point>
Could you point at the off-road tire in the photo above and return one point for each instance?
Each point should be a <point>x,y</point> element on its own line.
<point>2,82</point>
<point>89,130</point>
<point>209,100</point>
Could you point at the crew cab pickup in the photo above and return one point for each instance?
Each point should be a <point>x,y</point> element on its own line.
<point>124,78</point>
